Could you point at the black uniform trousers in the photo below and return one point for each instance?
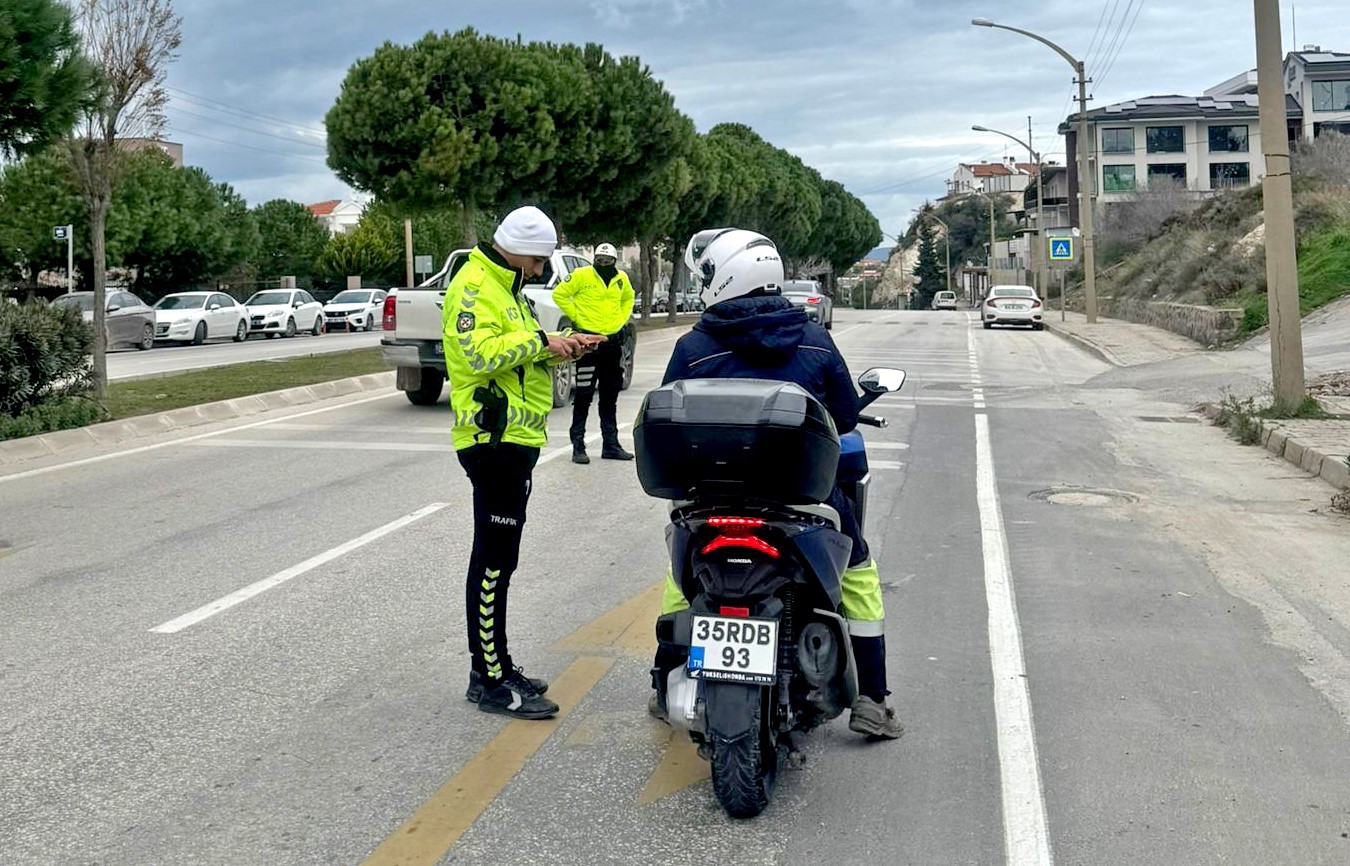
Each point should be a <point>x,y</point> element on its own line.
<point>600,370</point>
<point>501,476</point>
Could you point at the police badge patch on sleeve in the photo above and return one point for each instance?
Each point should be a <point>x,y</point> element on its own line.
<point>464,323</point>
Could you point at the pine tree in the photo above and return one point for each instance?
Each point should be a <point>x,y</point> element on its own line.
<point>932,275</point>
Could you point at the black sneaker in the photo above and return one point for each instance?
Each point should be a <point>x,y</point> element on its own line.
<point>475,690</point>
<point>515,696</point>
<point>579,454</point>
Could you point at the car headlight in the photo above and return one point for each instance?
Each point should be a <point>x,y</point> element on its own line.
<point>275,314</point>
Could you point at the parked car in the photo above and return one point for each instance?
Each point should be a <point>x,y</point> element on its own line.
<point>944,301</point>
<point>807,295</point>
<point>1012,305</point>
<point>194,317</point>
<point>354,309</point>
<point>128,321</point>
<point>284,311</point>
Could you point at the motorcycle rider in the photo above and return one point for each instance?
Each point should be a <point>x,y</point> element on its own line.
<point>599,300</point>
<point>748,330</point>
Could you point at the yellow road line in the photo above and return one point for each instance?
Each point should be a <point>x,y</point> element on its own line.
<point>438,823</point>
<point>680,767</point>
<point>431,831</point>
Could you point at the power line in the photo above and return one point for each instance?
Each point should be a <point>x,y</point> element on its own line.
<point>1101,46</point>
<point>190,132</point>
<point>234,109</point>
<point>216,120</point>
<point>1100,18</point>
<point>892,186</point>
<point>1111,64</point>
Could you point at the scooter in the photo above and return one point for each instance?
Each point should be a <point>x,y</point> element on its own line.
<point>763,647</point>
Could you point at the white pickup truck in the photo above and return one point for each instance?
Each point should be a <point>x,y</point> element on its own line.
<point>412,340</point>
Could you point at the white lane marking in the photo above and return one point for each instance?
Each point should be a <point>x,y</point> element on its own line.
<point>1026,834</point>
<point>30,473</point>
<point>386,429</point>
<point>328,445</point>
<point>242,595</point>
<point>884,464</point>
<point>886,446</point>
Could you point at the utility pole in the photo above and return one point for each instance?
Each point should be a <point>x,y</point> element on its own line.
<point>408,252</point>
<point>1038,255</point>
<point>1086,180</point>
<point>1286,327</point>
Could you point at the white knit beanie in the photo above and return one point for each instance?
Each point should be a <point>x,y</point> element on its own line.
<point>527,231</point>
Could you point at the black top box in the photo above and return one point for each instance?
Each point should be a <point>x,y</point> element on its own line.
<point>744,437</point>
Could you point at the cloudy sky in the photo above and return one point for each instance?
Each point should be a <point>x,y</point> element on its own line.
<point>879,95</point>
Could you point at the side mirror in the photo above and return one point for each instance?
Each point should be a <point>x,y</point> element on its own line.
<point>215,306</point>
<point>112,308</point>
<point>882,380</point>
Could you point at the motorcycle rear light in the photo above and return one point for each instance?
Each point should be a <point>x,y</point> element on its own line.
<point>742,612</point>
<point>735,522</point>
<point>748,542</point>
<point>390,313</point>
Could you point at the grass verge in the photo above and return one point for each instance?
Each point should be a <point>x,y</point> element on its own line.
<point>161,394</point>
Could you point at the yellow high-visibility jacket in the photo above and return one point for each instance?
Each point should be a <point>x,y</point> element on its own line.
<point>591,304</point>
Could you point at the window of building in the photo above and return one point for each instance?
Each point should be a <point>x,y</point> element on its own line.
<point>1117,141</point>
<point>1118,178</point>
<point>1173,171</point>
<point>1166,139</point>
<point>1330,126</point>
<point>1331,95</point>
<point>1228,139</point>
<point>1223,175</point>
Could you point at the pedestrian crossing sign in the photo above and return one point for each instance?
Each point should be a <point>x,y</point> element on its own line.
<point>1061,249</point>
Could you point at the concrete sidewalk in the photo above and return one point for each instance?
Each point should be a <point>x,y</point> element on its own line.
<point>1318,447</point>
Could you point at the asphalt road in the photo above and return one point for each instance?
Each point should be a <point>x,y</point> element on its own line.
<point>167,358</point>
<point>1115,637</point>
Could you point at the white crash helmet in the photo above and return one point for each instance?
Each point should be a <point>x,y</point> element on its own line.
<point>732,263</point>
<point>607,250</point>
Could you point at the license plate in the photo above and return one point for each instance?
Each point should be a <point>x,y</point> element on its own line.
<point>734,649</point>
<point>1016,308</point>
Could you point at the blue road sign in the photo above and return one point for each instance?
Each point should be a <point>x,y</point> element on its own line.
<point>1061,249</point>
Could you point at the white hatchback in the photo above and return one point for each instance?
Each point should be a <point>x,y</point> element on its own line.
<point>194,317</point>
<point>1012,305</point>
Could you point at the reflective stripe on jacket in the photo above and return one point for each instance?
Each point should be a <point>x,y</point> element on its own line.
<point>491,337</point>
<point>591,304</point>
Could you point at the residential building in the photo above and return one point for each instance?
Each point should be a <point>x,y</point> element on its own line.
<point>337,215</point>
<point>1203,143</point>
<point>172,149</point>
<point>992,177</point>
<point>1319,81</point>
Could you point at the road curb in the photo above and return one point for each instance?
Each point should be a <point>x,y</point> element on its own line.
<point>1313,459</point>
<point>61,442</point>
<point>1083,343</point>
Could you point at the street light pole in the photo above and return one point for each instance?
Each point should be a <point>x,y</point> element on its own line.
<point>1038,254</point>
<point>1286,334</point>
<point>1086,180</point>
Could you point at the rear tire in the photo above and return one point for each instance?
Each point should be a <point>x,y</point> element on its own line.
<point>147,338</point>
<point>430,390</point>
<point>744,770</point>
<point>564,382</point>
<point>1038,326</point>
<point>318,326</point>
<point>241,332</point>
<point>988,325</point>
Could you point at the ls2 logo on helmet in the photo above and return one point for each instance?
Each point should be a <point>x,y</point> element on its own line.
<point>464,323</point>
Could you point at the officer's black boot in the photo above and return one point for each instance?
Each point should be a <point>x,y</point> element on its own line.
<point>581,407</point>
<point>612,450</point>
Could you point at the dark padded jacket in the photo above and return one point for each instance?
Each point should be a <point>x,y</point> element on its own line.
<point>765,337</point>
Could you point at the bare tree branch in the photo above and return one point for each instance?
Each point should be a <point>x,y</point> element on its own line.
<point>130,44</point>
